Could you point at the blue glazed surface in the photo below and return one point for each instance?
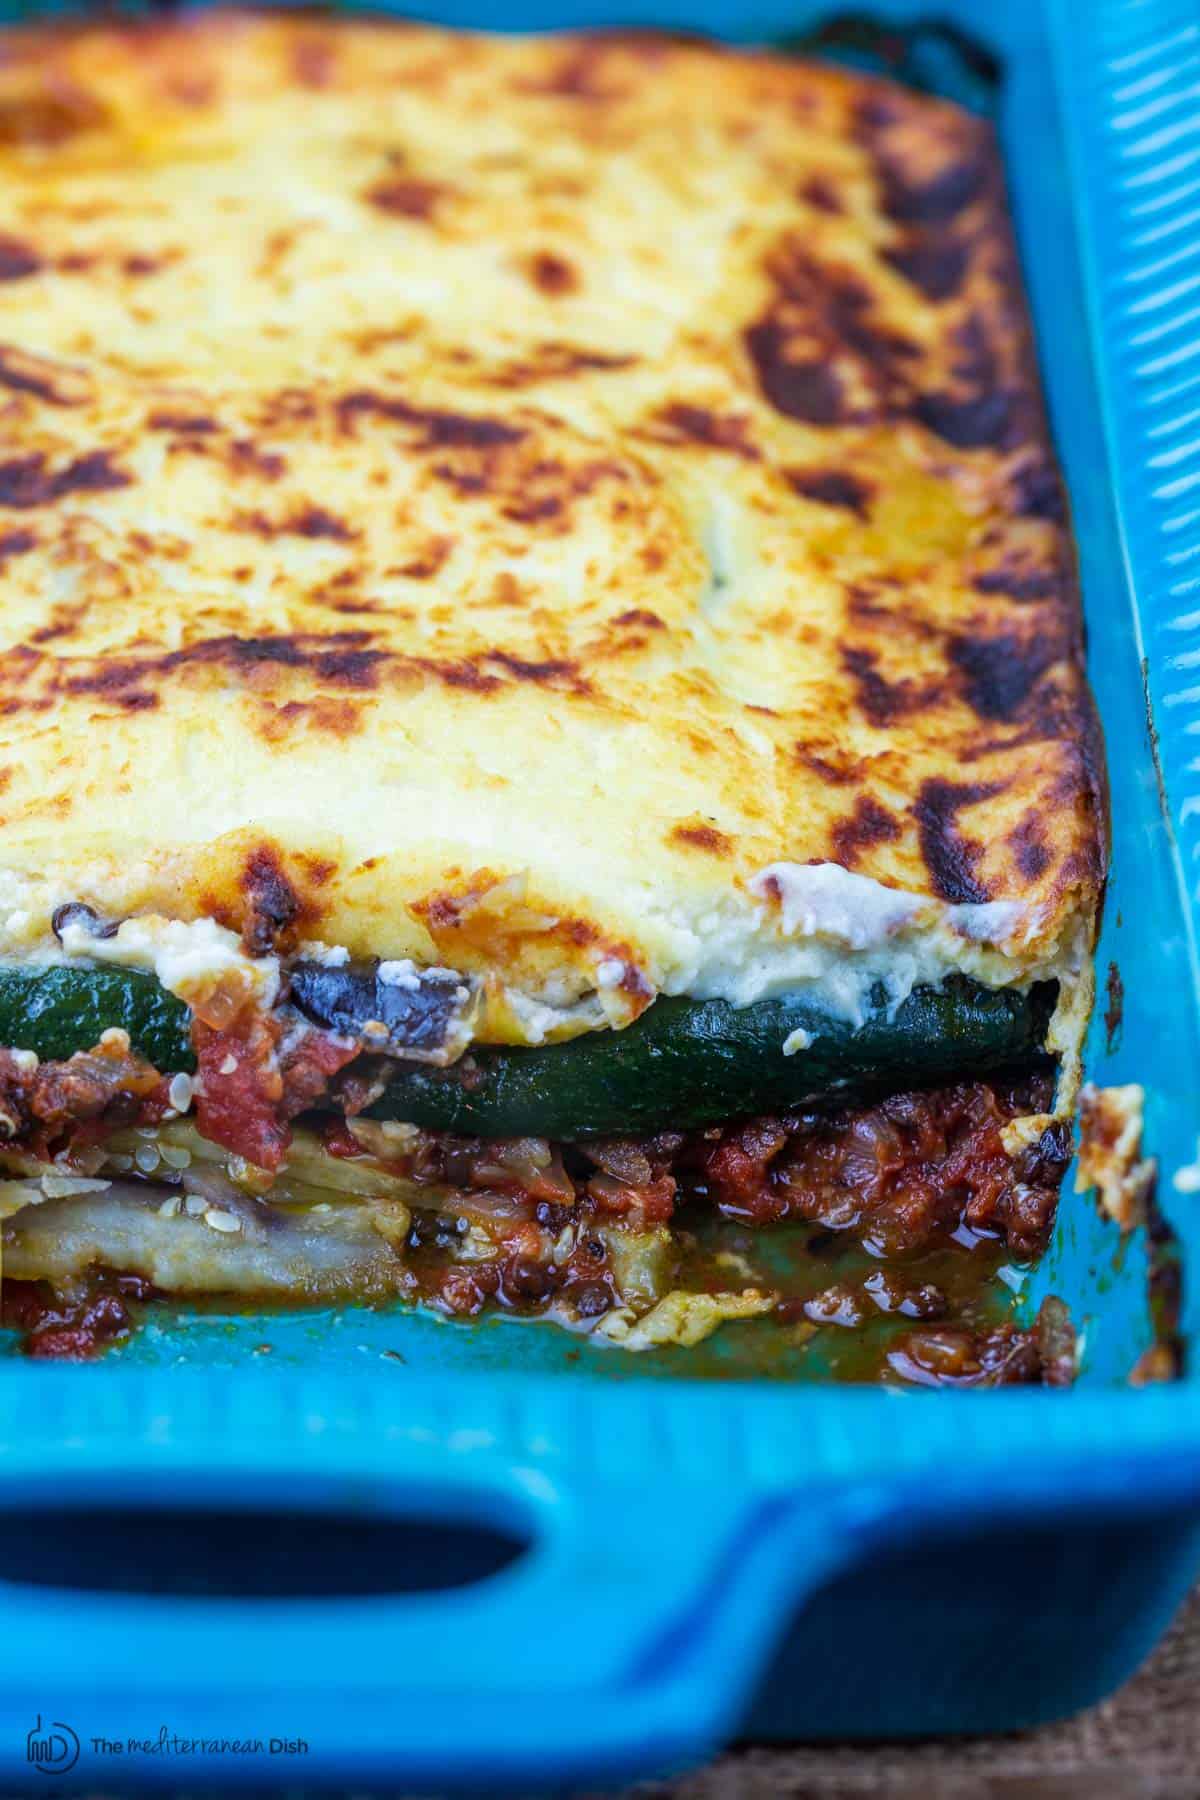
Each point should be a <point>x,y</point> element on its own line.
<point>709,1556</point>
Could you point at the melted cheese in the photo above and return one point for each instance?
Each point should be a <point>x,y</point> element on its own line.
<point>189,958</point>
<point>1110,1152</point>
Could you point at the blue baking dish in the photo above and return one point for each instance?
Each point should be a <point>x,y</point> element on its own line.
<point>387,1550</point>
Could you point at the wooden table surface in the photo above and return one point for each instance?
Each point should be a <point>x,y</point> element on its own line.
<point>1143,1742</point>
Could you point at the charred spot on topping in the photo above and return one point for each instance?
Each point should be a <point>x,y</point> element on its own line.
<point>318,869</point>
<point>56,384</point>
<point>682,423</point>
<point>820,353</point>
<point>446,911</point>
<point>533,489</point>
<point>878,601</point>
<point>144,265</point>
<point>978,410</point>
<point>1032,854</point>
<point>950,858</point>
<point>469,676</point>
<point>702,837</point>
<point>553,362</point>
<point>1001,673</point>
<point>246,458</point>
<point>976,362</point>
<point>551,274</point>
<point>439,430</point>
<point>1114,1012</point>
<point>288,407</point>
<point>406,196</point>
<point>306,521</point>
<point>881,700</point>
<point>800,388</point>
<point>832,487</point>
<point>535,508</point>
<point>819,191</point>
<point>350,667</point>
<point>27,481</point>
<point>970,422</point>
<point>342,659</point>
<point>639,616</point>
<point>1037,492</point>
<point>553,671</point>
<point>272,901</point>
<point>869,824</point>
<point>1018,583</point>
<point>17,259</point>
<point>432,559</point>
<point>16,543</point>
<point>912,196</point>
<point>830,761</point>
<point>937,268</point>
<point>186,424</point>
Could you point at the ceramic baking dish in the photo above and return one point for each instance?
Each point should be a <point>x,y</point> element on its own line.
<point>443,1556</point>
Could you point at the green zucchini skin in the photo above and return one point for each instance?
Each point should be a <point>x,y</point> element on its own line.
<point>59,1009</point>
<point>688,1063</point>
<point>684,1063</point>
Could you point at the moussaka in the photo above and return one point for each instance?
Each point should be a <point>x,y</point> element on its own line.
<point>541,698</point>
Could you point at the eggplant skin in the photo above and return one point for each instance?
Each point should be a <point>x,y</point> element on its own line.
<point>688,1063</point>
<point>425,1017</point>
<point>55,1011</point>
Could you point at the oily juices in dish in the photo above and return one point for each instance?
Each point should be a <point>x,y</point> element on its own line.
<point>542,699</point>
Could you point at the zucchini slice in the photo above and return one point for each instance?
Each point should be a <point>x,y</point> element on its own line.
<point>683,1063</point>
<point>686,1063</point>
<point>57,1009</point>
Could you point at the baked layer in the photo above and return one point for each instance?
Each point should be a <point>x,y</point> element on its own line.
<point>526,501</point>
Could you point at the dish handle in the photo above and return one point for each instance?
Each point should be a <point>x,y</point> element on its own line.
<point>497,1628</point>
<point>480,1635</point>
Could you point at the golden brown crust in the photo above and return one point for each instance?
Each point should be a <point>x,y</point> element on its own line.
<point>610,464</point>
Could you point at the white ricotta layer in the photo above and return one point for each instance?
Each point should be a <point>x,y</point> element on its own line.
<point>540,1020</point>
<point>825,900</point>
<point>188,957</point>
<point>330,956</point>
<point>817,929</point>
<point>401,973</point>
<point>836,936</point>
